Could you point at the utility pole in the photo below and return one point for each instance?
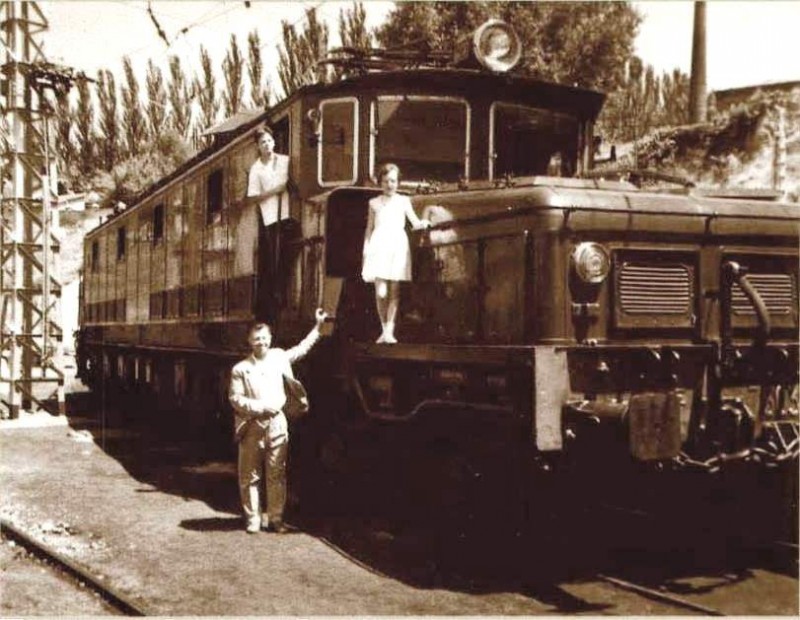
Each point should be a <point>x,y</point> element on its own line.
<point>698,90</point>
<point>30,324</point>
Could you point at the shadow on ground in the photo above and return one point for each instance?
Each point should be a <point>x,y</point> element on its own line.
<point>454,525</point>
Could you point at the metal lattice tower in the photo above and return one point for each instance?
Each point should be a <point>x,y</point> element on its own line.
<point>30,324</point>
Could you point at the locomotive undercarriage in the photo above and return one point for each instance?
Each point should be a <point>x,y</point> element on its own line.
<point>681,407</point>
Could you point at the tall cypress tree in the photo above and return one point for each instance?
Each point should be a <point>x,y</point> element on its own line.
<point>233,72</point>
<point>156,101</point>
<point>133,121</point>
<point>65,120</point>
<point>85,128</point>
<point>205,89</point>
<point>179,98</point>
<point>109,121</point>
<point>299,56</point>
<point>353,31</point>
<point>260,92</point>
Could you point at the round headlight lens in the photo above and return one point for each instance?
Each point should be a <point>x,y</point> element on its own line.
<point>497,46</point>
<point>591,262</point>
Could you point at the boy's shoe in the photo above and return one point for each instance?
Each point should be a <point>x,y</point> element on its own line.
<point>253,527</point>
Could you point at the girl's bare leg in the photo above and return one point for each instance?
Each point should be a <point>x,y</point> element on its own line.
<point>382,304</point>
<point>393,303</point>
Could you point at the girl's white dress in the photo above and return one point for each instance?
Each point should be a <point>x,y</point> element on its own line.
<point>387,254</point>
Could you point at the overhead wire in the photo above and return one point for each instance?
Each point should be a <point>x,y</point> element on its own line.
<point>180,31</point>
<point>157,24</point>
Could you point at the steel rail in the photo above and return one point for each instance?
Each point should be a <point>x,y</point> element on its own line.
<point>659,596</point>
<point>108,593</point>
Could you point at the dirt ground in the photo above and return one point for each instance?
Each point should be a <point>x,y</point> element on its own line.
<point>169,536</point>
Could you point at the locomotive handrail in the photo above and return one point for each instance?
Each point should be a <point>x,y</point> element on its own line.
<point>569,210</point>
<point>639,172</point>
<point>733,272</point>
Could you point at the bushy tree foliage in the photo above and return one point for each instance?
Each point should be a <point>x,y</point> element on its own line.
<point>179,98</point>
<point>233,72</point>
<point>581,43</point>
<point>260,91</point>
<point>205,90</point>
<point>300,53</point>
<point>134,175</point>
<point>156,100</point>
<point>133,121</point>
<point>85,128</point>
<point>109,118</point>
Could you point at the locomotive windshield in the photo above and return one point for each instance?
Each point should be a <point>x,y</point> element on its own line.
<point>530,141</point>
<point>426,136</point>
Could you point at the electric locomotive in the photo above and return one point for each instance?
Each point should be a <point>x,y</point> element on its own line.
<point>568,314</point>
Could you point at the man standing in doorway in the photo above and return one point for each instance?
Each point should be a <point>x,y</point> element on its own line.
<point>258,397</point>
<point>267,183</point>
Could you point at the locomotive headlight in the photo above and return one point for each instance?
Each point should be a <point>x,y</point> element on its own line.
<point>497,46</point>
<point>591,262</point>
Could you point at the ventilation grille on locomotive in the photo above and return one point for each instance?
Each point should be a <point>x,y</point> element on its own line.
<point>776,289</point>
<point>655,289</point>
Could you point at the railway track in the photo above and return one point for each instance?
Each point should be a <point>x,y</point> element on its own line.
<point>114,599</point>
<point>781,557</point>
<point>660,597</point>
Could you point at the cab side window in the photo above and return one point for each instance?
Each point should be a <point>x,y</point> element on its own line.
<point>337,151</point>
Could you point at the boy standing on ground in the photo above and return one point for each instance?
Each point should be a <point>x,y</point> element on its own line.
<point>258,396</point>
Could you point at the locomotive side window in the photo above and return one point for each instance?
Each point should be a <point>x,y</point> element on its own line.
<point>158,223</point>
<point>121,243</point>
<point>280,131</point>
<point>428,137</point>
<point>145,246</point>
<point>529,141</point>
<point>193,247</point>
<point>214,246</point>
<point>95,264</point>
<point>337,151</point>
<point>174,244</point>
<point>214,195</point>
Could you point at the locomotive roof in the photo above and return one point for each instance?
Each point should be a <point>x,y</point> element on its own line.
<point>511,86</point>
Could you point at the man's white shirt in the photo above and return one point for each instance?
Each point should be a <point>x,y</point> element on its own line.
<point>265,177</point>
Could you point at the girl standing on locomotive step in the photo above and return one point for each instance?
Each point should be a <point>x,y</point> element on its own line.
<point>387,256</point>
